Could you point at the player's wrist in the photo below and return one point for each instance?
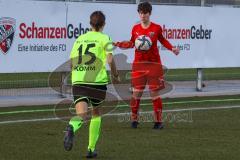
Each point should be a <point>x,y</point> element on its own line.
<point>117,44</point>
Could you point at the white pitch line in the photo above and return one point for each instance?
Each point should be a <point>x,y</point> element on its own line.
<point>127,113</point>
<point>29,120</point>
<point>179,110</point>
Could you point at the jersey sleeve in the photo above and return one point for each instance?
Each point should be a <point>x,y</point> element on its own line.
<point>108,45</point>
<point>74,51</point>
<point>132,35</point>
<point>163,40</point>
<point>74,54</point>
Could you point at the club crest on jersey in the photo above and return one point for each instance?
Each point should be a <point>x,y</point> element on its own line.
<point>151,34</point>
<point>7,30</point>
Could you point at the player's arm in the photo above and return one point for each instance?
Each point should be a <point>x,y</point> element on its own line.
<point>166,43</point>
<point>125,44</point>
<point>113,68</point>
<point>111,62</point>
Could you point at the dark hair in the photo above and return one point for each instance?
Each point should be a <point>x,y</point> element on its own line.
<point>97,20</point>
<point>145,7</point>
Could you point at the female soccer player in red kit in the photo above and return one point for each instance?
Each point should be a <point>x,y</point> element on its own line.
<point>147,67</point>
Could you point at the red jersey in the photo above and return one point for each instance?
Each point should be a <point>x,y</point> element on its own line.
<point>154,31</point>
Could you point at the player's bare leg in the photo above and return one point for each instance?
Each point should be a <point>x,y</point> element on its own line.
<point>75,123</point>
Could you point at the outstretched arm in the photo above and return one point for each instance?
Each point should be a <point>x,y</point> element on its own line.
<point>112,65</point>
<point>124,44</point>
<point>167,44</point>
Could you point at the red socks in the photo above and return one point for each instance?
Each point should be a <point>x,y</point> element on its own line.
<point>157,106</point>
<point>134,107</point>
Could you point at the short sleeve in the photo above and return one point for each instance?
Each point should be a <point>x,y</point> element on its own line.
<point>108,45</point>
<point>74,51</point>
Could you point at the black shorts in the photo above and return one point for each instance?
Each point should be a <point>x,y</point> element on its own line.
<point>92,94</point>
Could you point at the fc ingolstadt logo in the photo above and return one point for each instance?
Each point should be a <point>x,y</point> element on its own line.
<point>7,29</point>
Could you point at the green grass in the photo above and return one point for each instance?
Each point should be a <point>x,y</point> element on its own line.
<point>23,80</point>
<point>122,106</point>
<point>30,80</point>
<point>169,103</point>
<point>209,134</point>
<point>208,74</point>
<point>212,135</point>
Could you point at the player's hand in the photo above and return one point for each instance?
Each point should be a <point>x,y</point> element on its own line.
<point>116,44</point>
<point>175,50</point>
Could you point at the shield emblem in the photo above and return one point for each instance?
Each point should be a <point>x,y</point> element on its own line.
<point>7,29</point>
<point>151,34</point>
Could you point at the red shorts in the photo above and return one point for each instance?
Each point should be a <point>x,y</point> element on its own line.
<point>147,73</point>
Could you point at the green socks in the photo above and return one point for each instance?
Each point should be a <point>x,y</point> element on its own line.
<point>76,122</point>
<point>94,131</point>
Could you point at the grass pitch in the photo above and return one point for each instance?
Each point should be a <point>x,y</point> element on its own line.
<point>211,134</point>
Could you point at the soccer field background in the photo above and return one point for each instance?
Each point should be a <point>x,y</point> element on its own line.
<point>34,80</point>
<point>204,126</point>
<point>195,128</point>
